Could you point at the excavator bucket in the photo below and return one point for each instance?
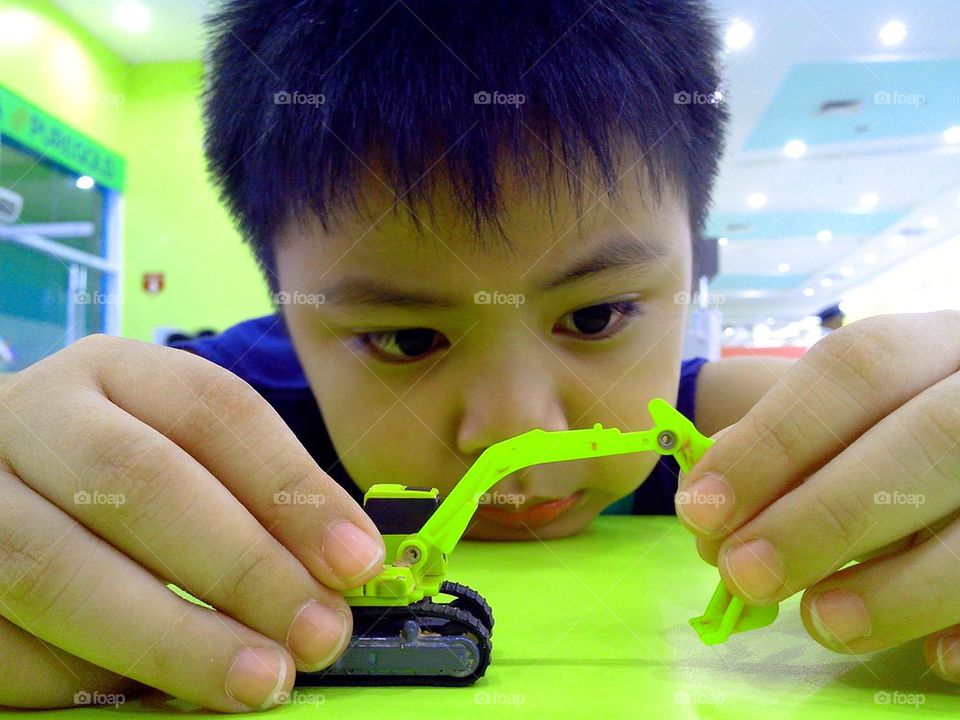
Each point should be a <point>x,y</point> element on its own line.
<point>727,614</point>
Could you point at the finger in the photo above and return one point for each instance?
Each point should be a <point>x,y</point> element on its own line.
<point>151,500</point>
<point>898,477</point>
<point>223,423</point>
<point>843,386</point>
<point>941,651</point>
<point>53,572</point>
<point>37,674</point>
<point>888,600</point>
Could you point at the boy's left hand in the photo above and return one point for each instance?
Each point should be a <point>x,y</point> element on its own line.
<point>853,455</point>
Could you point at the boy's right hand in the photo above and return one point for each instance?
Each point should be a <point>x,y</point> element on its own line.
<point>124,466</point>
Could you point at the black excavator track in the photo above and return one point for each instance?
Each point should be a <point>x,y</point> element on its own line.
<point>426,643</point>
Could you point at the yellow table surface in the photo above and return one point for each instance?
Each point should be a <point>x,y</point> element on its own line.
<point>595,626</point>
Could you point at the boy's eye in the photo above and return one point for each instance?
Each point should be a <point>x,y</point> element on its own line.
<point>598,321</point>
<point>401,346</point>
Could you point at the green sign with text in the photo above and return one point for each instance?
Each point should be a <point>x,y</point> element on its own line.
<point>44,134</point>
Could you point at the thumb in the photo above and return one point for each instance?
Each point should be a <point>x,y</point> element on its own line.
<point>681,478</point>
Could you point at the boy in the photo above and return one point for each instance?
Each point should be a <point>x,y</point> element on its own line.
<point>475,218</point>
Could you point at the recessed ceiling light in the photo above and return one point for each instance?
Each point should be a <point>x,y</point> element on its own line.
<point>892,33</point>
<point>930,222</point>
<point>952,135</point>
<point>131,15</point>
<point>869,200</point>
<point>739,34</point>
<point>846,270</point>
<point>18,27</point>
<point>84,182</point>
<point>756,200</point>
<point>722,242</point>
<point>794,149</point>
<point>870,258</point>
<point>897,242</point>
<point>783,267</point>
<point>809,292</point>
<point>824,236</point>
<point>826,282</point>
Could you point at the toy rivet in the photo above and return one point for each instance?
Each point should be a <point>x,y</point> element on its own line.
<point>667,440</point>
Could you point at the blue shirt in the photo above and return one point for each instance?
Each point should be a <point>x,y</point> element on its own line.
<point>260,352</point>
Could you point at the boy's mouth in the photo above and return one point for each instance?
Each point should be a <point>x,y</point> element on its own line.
<point>532,515</point>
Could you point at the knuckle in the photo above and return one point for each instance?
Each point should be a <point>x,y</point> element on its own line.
<point>858,357</point>
<point>133,481</point>
<point>256,571</point>
<point>779,440</point>
<point>846,518</point>
<point>34,575</point>
<point>936,433</point>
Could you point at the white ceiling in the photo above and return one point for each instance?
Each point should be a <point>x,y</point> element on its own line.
<point>915,176</point>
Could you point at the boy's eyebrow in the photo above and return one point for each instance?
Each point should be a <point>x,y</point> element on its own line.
<point>621,251</point>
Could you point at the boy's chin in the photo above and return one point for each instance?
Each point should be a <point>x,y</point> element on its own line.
<point>569,524</point>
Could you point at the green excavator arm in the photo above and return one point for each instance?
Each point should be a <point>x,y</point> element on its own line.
<point>672,434</point>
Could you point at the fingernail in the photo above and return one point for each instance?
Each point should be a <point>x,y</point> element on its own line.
<point>257,677</point>
<point>755,569</point>
<point>707,504</point>
<point>948,656</point>
<point>351,552</point>
<point>840,617</point>
<point>317,634</point>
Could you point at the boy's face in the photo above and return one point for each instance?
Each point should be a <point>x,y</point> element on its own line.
<point>415,374</point>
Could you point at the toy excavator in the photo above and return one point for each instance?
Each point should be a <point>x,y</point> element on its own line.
<point>404,635</point>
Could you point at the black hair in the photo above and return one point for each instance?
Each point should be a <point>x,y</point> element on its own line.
<point>303,95</point>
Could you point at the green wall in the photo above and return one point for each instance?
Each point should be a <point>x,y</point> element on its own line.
<point>150,115</point>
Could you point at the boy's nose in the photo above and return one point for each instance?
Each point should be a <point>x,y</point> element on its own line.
<point>508,402</point>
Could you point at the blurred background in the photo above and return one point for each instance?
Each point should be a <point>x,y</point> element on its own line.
<point>839,195</point>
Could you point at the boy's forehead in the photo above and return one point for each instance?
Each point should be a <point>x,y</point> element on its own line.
<point>537,227</point>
